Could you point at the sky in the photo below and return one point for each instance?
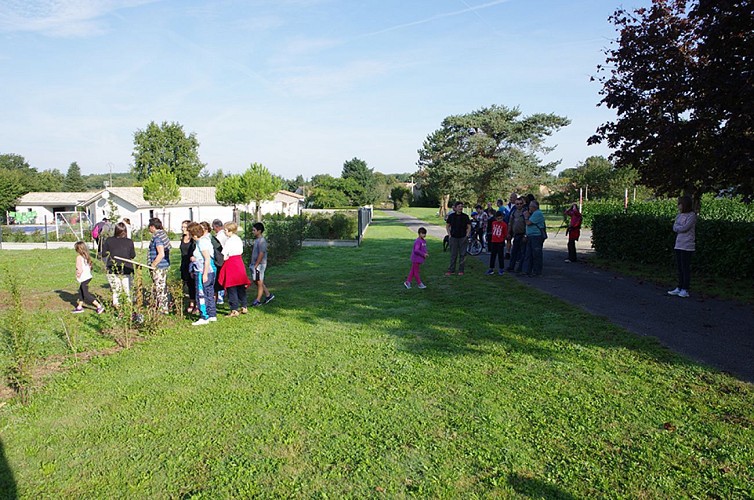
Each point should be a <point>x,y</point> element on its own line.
<point>300,86</point>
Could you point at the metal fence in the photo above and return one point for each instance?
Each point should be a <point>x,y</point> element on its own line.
<point>365,218</point>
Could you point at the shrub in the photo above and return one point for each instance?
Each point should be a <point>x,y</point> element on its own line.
<point>18,337</point>
<point>723,247</point>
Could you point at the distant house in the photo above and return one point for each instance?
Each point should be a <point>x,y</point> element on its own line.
<point>196,203</point>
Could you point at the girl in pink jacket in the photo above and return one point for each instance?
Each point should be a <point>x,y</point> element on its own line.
<point>418,255</point>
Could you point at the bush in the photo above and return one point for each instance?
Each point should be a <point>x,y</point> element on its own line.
<point>723,247</point>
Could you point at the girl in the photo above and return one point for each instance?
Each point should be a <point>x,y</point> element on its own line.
<point>204,269</point>
<point>232,275</point>
<point>685,244</point>
<point>84,276</point>
<point>417,258</point>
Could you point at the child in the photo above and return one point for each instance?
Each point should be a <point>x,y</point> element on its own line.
<point>497,243</point>
<point>259,264</point>
<point>84,276</point>
<point>418,255</point>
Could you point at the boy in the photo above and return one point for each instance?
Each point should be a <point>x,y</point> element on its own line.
<point>497,243</point>
<point>259,264</point>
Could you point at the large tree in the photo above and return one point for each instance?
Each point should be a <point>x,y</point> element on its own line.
<point>260,185</point>
<point>73,181</point>
<point>479,155</point>
<point>231,191</point>
<point>167,146</point>
<point>161,189</point>
<point>599,179</point>
<point>680,78</point>
<point>357,170</point>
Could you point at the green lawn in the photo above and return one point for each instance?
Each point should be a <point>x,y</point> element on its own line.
<point>350,385</point>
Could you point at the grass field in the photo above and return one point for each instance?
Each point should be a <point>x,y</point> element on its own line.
<point>350,385</point>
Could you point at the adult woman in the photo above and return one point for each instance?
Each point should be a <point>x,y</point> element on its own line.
<point>573,231</point>
<point>204,274</point>
<point>232,274</point>
<point>119,273</point>
<point>187,251</point>
<point>685,244</point>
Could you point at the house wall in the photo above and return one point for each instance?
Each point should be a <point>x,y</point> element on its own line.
<point>41,212</point>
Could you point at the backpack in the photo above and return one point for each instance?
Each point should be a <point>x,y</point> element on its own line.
<point>96,229</point>
<point>219,258</point>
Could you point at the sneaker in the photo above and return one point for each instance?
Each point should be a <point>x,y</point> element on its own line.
<point>568,261</point>
<point>244,310</point>
<point>256,303</point>
<point>220,301</point>
<point>490,272</point>
<point>212,319</point>
<point>268,299</point>
<point>684,294</point>
<point>422,286</point>
<point>449,273</point>
<point>100,309</point>
<point>460,273</point>
<point>407,284</point>
<point>78,310</point>
<point>676,291</point>
<point>500,272</point>
<point>200,321</point>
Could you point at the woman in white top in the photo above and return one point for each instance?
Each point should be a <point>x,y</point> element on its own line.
<point>233,276</point>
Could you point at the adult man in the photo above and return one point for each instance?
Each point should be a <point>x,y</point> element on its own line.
<point>458,227</point>
<point>159,259</point>
<point>535,238</point>
<point>516,232</point>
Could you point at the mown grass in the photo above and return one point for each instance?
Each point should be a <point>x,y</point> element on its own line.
<point>350,385</point>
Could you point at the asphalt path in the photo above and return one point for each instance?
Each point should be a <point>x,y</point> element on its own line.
<point>714,332</point>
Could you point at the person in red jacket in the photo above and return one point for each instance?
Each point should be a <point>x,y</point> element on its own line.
<point>499,234</point>
<point>573,231</point>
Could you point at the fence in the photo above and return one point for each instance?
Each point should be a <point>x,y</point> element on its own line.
<point>365,218</point>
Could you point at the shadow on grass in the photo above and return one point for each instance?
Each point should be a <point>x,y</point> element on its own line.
<point>453,316</point>
<point>7,481</point>
<point>536,488</point>
<point>67,296</point>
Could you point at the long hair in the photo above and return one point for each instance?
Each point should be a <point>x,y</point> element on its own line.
<point>685,203</point>
<point>83,250</point>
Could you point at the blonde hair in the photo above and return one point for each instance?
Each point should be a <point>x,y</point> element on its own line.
<point>83,250</point>
<point>231,227</point>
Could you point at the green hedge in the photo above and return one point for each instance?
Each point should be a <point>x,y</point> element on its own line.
<point>723,247</point>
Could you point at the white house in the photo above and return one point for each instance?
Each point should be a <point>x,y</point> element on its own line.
<point>196,203</point>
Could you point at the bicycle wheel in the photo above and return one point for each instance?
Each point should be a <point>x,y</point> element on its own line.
<point>474,247</point>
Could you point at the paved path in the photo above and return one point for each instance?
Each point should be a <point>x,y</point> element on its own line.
<point>715,332</point>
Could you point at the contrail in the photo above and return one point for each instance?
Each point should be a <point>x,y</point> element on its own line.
<point>435,17</point>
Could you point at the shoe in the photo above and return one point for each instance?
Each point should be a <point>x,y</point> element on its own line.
<point>568,261</point>
<point>684,294</point>
<point>234,314</point>
<point>212,319</point>
<point>78,310</point>
<point>460,273</point>
<point>244,310</point>
<point>490,272</point>
<point>675,291</point>
<point>220,301</point>
<point>449,273</point>
<point>256,303</point>
<point>500,272</point>
<point>422,286</point>
<point>407,284</point>
<point>268,299</point>
<point>100,309</point>
<point>200,321</point>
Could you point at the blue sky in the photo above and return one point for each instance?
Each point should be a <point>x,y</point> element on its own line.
<point>298,85</point>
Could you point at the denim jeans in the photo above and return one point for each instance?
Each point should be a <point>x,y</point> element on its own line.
<point>237,297</point>
<point>533,258</point>
<point>205,296</point>
<point>517,253</point>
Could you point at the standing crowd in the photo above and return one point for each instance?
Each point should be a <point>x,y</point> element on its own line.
<point>211,267</point>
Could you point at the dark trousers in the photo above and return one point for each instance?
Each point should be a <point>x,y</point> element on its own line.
<point>84,293</point>
<point>683,259</point>
<point>205,295</point>
<point>497,250</point>
<point>457,252</point>
<point>517,253</point>
<point>572,250</point>
<point>236,295</point>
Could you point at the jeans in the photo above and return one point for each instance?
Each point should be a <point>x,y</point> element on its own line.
<point>533,257</point>
<point>457,246</point>
<point>683,260</point>
<point>517,253</point>
<point>236,297</point>
<point>205,296</point>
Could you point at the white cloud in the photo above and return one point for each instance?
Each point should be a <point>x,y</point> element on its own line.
<point>60,18</point>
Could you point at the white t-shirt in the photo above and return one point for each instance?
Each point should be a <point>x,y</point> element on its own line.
<point>232,246</point>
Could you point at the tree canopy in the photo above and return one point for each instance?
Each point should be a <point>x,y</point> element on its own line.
<point>260,185</point>
<point>681,80</point>
<point>479,155</point>
<point>366,192</point>
<point>168,147</point>
<point>161,188</point>
<point>73,181</point>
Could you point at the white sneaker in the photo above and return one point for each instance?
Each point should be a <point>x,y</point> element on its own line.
<point>213,318</point>
<point>676,291</point>
<point>200,321</point>
<point>407,284</point>
<point>684,294</point>
<point>422,286</point>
